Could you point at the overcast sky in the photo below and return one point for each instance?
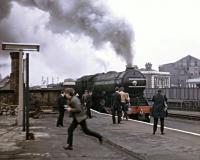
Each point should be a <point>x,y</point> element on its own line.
<point>159,31</point>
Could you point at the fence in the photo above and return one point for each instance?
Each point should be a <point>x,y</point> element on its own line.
<point>192,94</point>
<point>178,98</point>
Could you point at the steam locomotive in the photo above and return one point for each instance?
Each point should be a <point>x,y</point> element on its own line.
<point>103,85</point>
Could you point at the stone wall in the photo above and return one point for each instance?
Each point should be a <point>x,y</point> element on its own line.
<point>7,97</point>
<point>44,97</point>
<point>8,110</point>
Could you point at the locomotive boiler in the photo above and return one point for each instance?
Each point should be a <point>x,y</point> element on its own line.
<point>103,85</point>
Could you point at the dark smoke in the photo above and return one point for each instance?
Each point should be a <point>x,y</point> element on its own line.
<point>4,12</point>
<point>90,18</point>
<point>4,9</point>
<point>5,34</point>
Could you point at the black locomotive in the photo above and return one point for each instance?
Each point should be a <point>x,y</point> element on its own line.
<point>103,85</point>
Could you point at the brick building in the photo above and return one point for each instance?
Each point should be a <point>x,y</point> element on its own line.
<point>182,70</point>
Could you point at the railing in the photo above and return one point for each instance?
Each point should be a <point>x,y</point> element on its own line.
<point>175,93</point>
<point>178,98</point>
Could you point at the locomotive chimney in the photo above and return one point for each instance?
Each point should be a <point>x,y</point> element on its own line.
<point>130,66</point>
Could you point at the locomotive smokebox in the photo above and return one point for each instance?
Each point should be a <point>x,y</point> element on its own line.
<point>130,67</point>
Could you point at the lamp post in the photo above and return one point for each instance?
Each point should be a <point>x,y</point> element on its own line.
<point>20,48</point>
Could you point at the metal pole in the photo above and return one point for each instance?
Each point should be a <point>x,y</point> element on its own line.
<point>24,92</point>
<point>24,110</point>
<point>27,96</point>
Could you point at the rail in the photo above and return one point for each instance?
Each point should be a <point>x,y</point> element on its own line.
<point>183,116</point>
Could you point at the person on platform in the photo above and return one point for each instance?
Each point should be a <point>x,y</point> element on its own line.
<point>79,118</point>
<point>124,99</point>
<point>89,104</point>
<point>61,102</point>
<point>116,105</point>
<point>158,110</point>
<point>83,98</point>
<point>127,104</point>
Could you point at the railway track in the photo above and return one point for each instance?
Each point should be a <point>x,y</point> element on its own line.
<point>183,116</point>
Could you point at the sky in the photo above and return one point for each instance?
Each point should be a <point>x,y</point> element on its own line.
<point>82,37</point>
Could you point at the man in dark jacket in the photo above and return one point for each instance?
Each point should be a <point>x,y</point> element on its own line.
<point>61,102</point>
<point>158,111</point>
<point>116,106</point>
<point>79,117</point>
<point>89,104</point>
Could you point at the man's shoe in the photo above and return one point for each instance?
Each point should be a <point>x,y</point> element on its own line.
<point>101,140</point>
<point>162,133</point>
<point>68,147</point>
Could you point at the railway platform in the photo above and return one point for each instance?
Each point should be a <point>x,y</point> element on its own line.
<point>132,138</point>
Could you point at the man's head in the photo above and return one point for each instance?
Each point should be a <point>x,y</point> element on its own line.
<point>86,91</point>
<point>116,88</point>
<point>121,89</point>
<point>90,92</point>
<point>69,93</point>
<point>62,92</point>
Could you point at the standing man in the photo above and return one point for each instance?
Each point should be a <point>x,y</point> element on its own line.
<point>158,110</point>
<point>84,96</point>
<point>124,99</point>
<point>89,104</point>
<point>116,105</point>
<point>79,117</point>
<point>61,102</point>
<point>127,104</point>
